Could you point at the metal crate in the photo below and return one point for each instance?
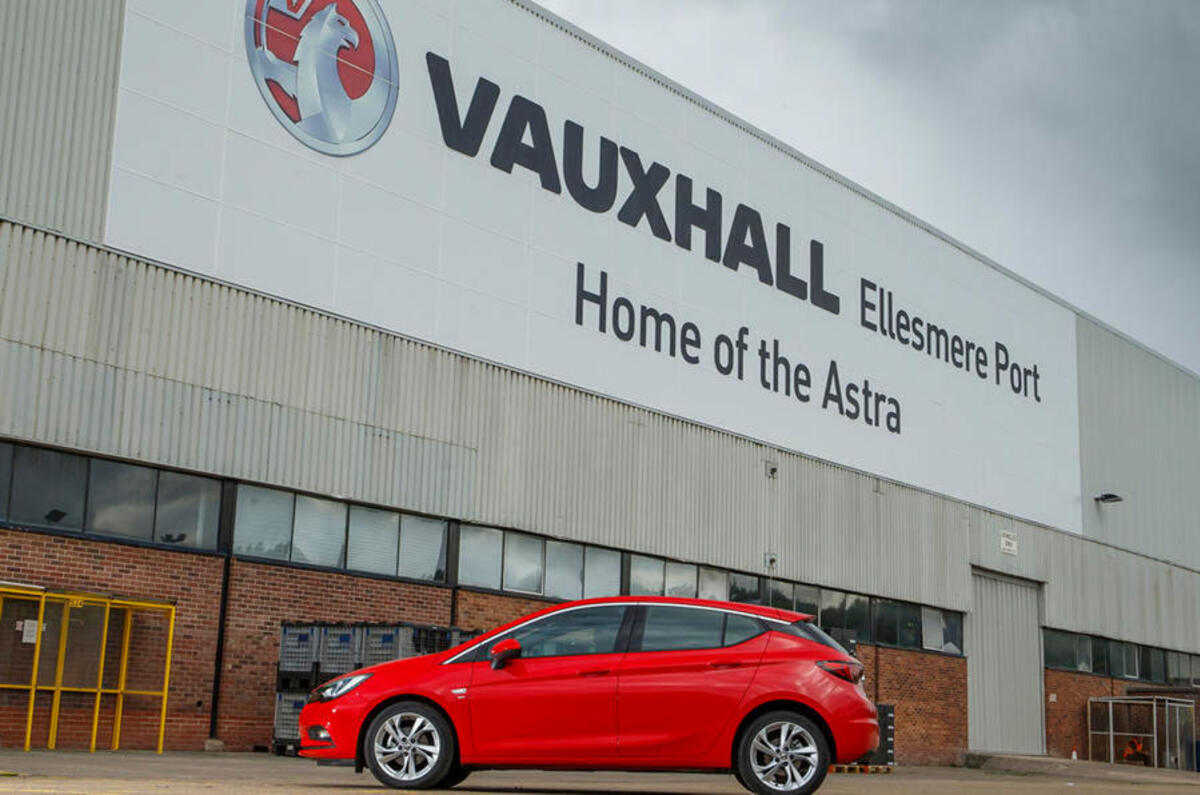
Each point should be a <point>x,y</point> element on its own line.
<point>287,714</point>
<point>297,648</point>
<point>339,650</point>
<point>381,644</point>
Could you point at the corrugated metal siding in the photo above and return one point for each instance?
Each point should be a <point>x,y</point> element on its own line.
<point>1139,436</point>
<point>1004,668</point>
<point>58,88</point>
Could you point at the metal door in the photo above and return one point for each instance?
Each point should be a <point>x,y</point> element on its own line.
<point>1004,667</point>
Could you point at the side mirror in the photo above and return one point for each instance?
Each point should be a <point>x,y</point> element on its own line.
<point>504,651</point>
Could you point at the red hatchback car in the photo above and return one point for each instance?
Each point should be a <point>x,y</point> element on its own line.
<point>628,683</point>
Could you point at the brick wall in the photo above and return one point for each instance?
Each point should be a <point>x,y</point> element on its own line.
<point>484,611</point>
<point>262,597</point>
<point>192,582</point>
<point>1066,715</point>
<point>929,692</point>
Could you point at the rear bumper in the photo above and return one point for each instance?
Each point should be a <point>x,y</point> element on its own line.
<point>856,739</point>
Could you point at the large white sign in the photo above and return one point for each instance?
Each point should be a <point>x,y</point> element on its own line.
<point>475,176</point>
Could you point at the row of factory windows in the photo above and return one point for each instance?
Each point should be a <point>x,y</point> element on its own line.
<point>1070,651</point>
<point>64,491</point>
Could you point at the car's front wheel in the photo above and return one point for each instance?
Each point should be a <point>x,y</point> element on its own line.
<point>782,752</point>
<point>410,745</point>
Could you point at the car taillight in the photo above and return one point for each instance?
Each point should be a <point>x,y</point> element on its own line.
<point>843,669</point>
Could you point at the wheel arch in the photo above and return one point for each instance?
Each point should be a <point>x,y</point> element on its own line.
<point>788,705</point>
<point>360,761</point>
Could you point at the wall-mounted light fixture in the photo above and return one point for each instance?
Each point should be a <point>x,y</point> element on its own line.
<point>1108,497</point>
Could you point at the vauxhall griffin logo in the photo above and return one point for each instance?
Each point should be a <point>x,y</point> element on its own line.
<point>326,68</point>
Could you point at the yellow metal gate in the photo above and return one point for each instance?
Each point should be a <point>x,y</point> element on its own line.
<point>58,642</point>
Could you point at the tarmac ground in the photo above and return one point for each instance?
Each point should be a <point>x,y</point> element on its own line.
<point>138,771</point>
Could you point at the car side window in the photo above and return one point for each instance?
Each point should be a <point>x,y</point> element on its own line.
<point>587,630</point>
<point>668,628</point>
<point>739,629</point>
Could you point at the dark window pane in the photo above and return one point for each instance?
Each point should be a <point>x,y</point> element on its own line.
<point>320,534</point>
<point>589,630</point>
<point>858,617</point>
<point>743,588</point>
<point>1130,650</point>
<point>422,548</point>
<point>952,632</point>
<point>188,510</point>
<point>1059,649</point>
<point>121,500</point>
<point>1083,653</point>
<point>262,526</point>
<point>739,629</point>
<point>781,594</point>
<point>1178,669</point>
<point>808,600</point>
<point>1099,656</point>
<point>564,570</point>
<point>1116,658</point>
<point>886,631</point>
<point>680,580</point>
<point>47,488</point>
<point>601,572</point>
<point>480,550</point>
<point>833,610</point>
<point>1153,664</point>
<point>522,563</point>
<point>374,540</point>
<point>6,453</point>
<point>677,628</point>
<point>714,584</point>
<point>645,576</point>
<point>909,620</point>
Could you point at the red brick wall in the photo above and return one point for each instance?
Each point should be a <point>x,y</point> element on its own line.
<point>192,582</point>
<point>929,692</point>
<point>484,611</point>
<point>262,597</point>
<point>1066,715</point>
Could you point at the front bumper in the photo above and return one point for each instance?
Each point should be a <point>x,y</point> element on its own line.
<point>340,723</point>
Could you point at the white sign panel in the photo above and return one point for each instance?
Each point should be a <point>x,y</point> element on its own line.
<point>471,175</point>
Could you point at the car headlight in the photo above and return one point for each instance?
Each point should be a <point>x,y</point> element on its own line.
<point>337,688</point>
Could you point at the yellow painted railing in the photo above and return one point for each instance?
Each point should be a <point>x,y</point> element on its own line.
<point>75,601</point>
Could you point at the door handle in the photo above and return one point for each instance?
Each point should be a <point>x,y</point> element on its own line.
<point>724,664</point>
<point>595,672</point>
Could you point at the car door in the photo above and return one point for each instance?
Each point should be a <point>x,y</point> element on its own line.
<point>683,678</point>
<point>557,700</point>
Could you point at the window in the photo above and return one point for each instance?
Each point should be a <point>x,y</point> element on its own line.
<point>187,511</point>
<point>263,523</point>
<point>680,579</point>
<point>523,563</point>
<point>886,629</point>
<point>833,610</point>
<point>858,617</point>
<point>1122,659</point>
<point>941,630</point>
<point>480,550</point>
<point>422,548</point>
<point>48,488</point>
<point>1099,655</point>
<point>1196,670</point>
<point>588,630</point>
<point>781,594</point>
<point>319,534</point>
<point>1058,649</point>
<point>739,628</point>
<point>744,588</point>
<point>681,628</point>
<point>714,584</point>
<point>601,572</point>
<point>1153,664</point>
<point>6,456</point>
<point>808,600</point>
<point>1083,653</point>
<point>1178,669</point>
<point>121,500</point>
<point>645,576</point>
<point>564,570</point>
<point>897,623</point>
<point>374,540</point>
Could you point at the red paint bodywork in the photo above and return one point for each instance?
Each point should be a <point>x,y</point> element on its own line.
<point>657,709</point>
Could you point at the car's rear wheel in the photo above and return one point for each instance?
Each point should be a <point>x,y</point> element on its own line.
<point>782,752</point>
<point>410,745</point>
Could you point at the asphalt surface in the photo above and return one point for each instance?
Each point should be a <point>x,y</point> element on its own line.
<point>137,772</point>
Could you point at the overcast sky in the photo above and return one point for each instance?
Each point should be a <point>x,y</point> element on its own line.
<point>1061,139</point>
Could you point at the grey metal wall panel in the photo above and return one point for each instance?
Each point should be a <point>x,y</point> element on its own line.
<point>1004,667</point>
<point>1139,437</point>
<point>58,87</point>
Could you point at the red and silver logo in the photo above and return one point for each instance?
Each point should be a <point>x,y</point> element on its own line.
<point>327,69</point>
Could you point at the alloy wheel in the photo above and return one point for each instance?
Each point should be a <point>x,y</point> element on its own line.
<point>784,756</point>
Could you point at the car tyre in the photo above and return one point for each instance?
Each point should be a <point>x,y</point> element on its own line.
<point>410,745</point>
<point>782,752</point>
